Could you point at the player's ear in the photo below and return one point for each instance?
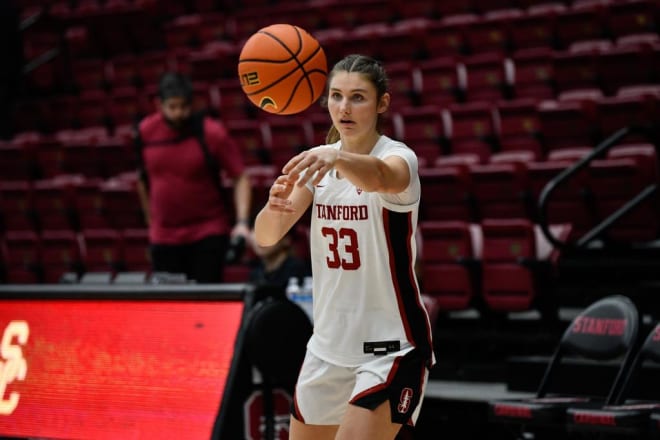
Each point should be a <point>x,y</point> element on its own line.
<point>384,103</point>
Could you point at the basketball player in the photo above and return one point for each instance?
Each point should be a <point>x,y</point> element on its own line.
<point>367,362</point>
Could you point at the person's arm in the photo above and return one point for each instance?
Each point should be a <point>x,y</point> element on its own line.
<point>144,200</point>
<point>242,203</point>
<point>389,175</point>
<point>286,203</point>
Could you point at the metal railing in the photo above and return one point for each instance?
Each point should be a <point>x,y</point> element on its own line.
<point>598,152</point>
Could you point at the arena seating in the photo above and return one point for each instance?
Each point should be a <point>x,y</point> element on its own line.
<point>496,97</point>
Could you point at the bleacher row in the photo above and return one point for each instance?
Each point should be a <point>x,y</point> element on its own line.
<point>496,97</point>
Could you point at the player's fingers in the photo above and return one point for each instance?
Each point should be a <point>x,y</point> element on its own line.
<point>293,162</point>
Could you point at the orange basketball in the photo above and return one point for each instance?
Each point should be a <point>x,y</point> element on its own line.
<point>282,69</point>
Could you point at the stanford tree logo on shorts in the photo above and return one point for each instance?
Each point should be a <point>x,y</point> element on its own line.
<point>404,400</point>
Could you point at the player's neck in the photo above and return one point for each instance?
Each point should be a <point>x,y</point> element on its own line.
<point>362,145</point>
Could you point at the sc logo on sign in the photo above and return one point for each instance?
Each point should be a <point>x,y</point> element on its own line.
<point>13,365</point>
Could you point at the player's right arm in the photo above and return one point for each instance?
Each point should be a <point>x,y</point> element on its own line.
<point>286,203</point>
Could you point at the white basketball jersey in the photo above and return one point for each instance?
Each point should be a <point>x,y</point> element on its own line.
<point>363,252</point>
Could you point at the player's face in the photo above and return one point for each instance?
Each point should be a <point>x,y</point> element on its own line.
<point>176,111</point>
<point>354,105</point>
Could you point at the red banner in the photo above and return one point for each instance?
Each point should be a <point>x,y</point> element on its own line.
<point>114,369</point>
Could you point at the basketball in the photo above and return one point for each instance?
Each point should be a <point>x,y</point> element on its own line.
<point>282,69</point>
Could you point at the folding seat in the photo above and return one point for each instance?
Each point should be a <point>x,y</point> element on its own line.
<point>448,36</point>
<point>501,190</point>
<point>412,9</point>
<point>405,83</point>
<point>126,106</point>
<point>137,257</point>
<point>625,415</point>
<point>214,27</point>
<point>183,31</point>
<point>450,267</point>
<point>570,202</point>
<point>536,28</point>
<point>151,66</point>
<point>233,102</point>
<point>61,112</point>
<point>632,17</point>
<point>297,13</point>
<point>92,109</point>
<point>617,112</point>
<point>513,278</point>
<point>425,131</point>
<point>102,250</point>
<point>122,205</point>
<point>604,333</point>
<point>80,152</point>
<point>115,157</point>
<point>89,208</point>
<point>52,204</point>
<point>580,23</point>
<point>519,126</point>
<point>443,81</point>
<point>472,129</point>
<point>403,41</point>
<point>250,135</point>
<point>123,71</point>
<point>455,7</point>
<point>347,16</point>
<point>60,252</point>
<point>90,74</point>
<point>566,124</point>
<point>333,41</point>
<point>615,181</point>
<point>579,67</point>
<point>364,38</point>
<point>217,59</point>
<point>446,194</point>
<point>17,163</point>
<point>16,206</point>
<point>48,154</point>
<point>489,77</point>
<point>533,74</point>
<point>21,253</point>
<point>284,137</point>
<point>493,32</point>
<point>624,66</point>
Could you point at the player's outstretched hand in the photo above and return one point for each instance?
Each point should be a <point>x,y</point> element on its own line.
<point>311,165</point>
<point>278,196</point>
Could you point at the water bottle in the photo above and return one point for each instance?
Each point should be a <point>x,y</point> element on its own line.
<point>306,301</point>
<point>293,290</point>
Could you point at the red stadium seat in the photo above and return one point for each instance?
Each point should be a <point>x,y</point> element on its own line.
<point>580,23</point>
<point>449,264</point>
<point>286,137</point>
<point>520,128</point>
<point>632,17</point>
<point>489,77</point>
<point>625,66</point>
<point>88,204</point>
<point>443,81</point>
<point>617,112</point>
<point>404,84</point>
<point>137,257</point>
<point>60,252</point>
<point>21,254</point>
<point>537,28</point>
<point>566,124</point>
<point>250,135</point>
<point>446,194</point>
<point>579,67</point>
<point>447,37</point>
<point>425,130</point>
<point>508,281</point>
<point>472,129</point>
<point>404,40</point>
<point>102,250</point>
<point>533,74</point>
<point>493,33</point>
<point>122,204</point>
<point>501,190</point>
<point>53,205</point>
<point>16,206</point>
<point>90,74</point>
<point>17,162</point>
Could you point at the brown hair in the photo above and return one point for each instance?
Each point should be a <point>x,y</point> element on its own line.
<point>371,69</point>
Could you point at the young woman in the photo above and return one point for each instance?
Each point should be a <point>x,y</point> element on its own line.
<point>367,362</point>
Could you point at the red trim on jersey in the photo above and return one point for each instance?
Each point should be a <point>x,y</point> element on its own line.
<point>393,272</point>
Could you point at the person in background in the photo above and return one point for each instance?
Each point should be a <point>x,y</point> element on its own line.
<point>190,216</point>
<point>368,360</point>
<point>277,263</point>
